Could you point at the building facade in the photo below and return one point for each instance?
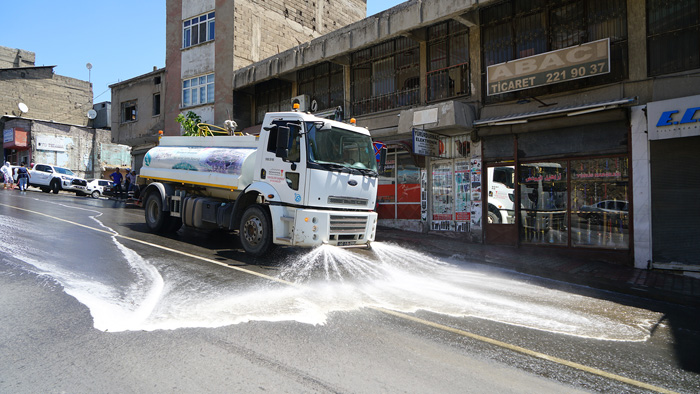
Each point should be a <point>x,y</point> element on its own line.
<point>521,123</point>
<point>137,115</point>
<point>208,39</point>
<point>48,118</point>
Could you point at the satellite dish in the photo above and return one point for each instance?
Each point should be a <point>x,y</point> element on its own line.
<point>89,66</point>
<point>23,108</point>
<point>92,114</point>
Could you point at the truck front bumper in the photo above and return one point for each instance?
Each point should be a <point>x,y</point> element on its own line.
<point>309,228</point>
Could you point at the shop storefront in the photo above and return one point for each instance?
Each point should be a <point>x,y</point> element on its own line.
<point>672,129</point>
<point>559,180</point>
<point>431,182</point>
<point>15,145</point>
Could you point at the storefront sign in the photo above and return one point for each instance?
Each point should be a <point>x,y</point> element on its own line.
<point>426,143</point>
<point>674,118</point>
<point>581,61</point>
<point>49,142</point>
<point>8,135</point>
<point>14,138</point>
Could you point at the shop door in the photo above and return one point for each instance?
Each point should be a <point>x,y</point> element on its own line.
<point>675,186</point>
<point>499,210</point>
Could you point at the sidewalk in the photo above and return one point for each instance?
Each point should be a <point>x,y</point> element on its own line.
<point>655,284</point>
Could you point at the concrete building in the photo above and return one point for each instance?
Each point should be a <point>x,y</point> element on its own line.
<point>137,115</point>
<point>208,39</point>
<point>530,124</point>
<point>45,118</point>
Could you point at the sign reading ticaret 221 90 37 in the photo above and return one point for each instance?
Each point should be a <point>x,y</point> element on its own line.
<point>581,61</point>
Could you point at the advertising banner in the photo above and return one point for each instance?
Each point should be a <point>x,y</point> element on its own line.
<point>426,143</point>
<point>581,61</point>
<point>674,118</point>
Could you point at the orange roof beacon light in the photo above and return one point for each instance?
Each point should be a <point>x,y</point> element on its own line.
<point>353,121</point>
<point>160,134</point>
<point>295,106</point>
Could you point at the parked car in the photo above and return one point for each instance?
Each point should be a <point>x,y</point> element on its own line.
<point>48,177</point>
<point>606,210</point>
<point>98,187</point>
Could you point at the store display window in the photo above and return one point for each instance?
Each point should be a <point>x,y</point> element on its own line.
<point>599,203</point>
<point>543,203</point>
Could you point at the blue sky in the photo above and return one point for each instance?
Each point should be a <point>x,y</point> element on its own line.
<point>121,39</point>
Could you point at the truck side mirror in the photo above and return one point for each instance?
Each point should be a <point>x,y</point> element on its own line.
<point>382,160</point>
<point>282,142</point>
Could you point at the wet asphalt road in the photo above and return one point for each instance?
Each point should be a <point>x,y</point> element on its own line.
<point>93,303</point>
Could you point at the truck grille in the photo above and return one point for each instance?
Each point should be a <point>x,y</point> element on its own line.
<point>348,224</point>
<point>79,182</point>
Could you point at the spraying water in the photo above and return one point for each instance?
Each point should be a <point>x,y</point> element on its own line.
<point>164,295</point>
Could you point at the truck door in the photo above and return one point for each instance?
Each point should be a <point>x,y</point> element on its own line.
<point>287,174</point>
<point>41,174</point>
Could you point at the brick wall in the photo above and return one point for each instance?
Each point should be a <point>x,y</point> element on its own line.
<point>48,96</point>
<point>11,57</point>
<point>264,28</point>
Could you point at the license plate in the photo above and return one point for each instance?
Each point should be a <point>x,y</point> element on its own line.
<point>346,243</point>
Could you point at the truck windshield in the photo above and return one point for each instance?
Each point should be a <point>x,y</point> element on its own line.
<point>332,146</point>
<point>64,171</point>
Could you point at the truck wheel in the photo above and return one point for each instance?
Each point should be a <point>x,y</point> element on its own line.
<point>156,219</point>
<point>55,187</point>
<point>493,218</point>
<point>256,230</point>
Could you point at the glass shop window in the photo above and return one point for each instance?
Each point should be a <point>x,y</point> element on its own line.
<point>543,203</point>
<point>599,203</point>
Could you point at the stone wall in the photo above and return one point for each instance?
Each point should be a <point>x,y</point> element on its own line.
<point>48,96</point>
<point>11,58</point>
<point>264,28</point>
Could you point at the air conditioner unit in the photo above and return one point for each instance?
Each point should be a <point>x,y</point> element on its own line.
<point>304,102</point>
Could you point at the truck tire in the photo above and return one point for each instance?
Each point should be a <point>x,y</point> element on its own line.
<point>256,230</point>
<point>493,218</point>
<point>157,220</point>
<point>55,186</point>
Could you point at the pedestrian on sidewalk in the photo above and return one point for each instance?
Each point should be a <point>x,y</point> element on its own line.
<point>116,177</point>
<point>23,177</point>
<point>7,175</point>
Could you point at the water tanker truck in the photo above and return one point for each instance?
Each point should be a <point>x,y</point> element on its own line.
<point>303,181</point>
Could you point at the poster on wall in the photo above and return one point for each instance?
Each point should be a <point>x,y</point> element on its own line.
<point>462,195</point>
<point>423,195</point>
<point>443,195</point>
<point>475,191</point>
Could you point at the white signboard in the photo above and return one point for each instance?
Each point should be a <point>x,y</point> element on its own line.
<point>426,143</point>
<point>8,135</point>
<point>50,142</point>
<point>675,118</point>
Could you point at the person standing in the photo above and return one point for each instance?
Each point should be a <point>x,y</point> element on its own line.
<point>116,177</point>
<point>7,175</point>
<point>131,179</point>
<point>23,177</point>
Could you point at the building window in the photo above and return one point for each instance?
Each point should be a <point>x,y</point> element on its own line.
<point>129,111</point>
<point>323,83</point>
<point>673,41</point>
<point>198,30</point>
<point>272,96</point>
<point>156,104</point>
<point>385,76</point>
<point>513,30</point>
<point>198,90</point>
<point>448,61</point>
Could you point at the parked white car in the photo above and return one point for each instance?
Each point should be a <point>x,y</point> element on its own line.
<point>98,187</point>
<point>48,177</point>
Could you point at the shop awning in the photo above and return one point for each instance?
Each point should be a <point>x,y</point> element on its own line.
<point>572,110</point>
